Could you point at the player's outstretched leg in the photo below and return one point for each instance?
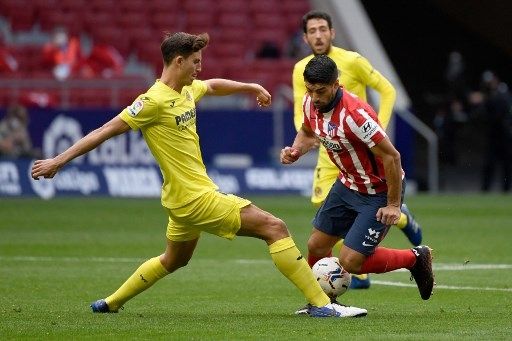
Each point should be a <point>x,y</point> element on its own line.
<point>144,277</point>
<point>290,263</point>
<point>418,260</point>
<point>409,226</point>
<point>287,258</point>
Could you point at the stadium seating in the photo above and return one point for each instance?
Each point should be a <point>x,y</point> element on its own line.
<point>237,29</point>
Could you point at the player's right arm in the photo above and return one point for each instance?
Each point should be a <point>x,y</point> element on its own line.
<point>304,142</point>
<point>49,167</point>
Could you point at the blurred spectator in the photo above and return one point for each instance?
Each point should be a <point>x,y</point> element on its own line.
<point>14,137</point>
<point>455,76</point>
<point>451,108</point>
<point>495,108</point>
<point>103,61</point>
<point>268,50</point>
<point>62,54</point>
<point>8,63</point>
<point>444,127</point>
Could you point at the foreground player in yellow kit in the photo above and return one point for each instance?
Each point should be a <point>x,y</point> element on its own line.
<point>166,115</point>
<point>356,73</point>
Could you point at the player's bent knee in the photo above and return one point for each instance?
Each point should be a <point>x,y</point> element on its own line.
<point>319,246</point>
<point>173,264</point>
<point>351,264</point>
<point>277,228</point>
<point>318,249</point>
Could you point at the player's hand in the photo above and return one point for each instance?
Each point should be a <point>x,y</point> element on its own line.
<point>44,168</point>
<point>388,215</point>
<point>263,97</point>
<point>289,155</point>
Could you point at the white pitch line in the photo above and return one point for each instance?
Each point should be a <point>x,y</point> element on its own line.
<point>449,287</point>
<point>436,266</point>
<point>71,259</point>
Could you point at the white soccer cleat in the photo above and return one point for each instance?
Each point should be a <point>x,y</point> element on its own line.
<point>349,311</point>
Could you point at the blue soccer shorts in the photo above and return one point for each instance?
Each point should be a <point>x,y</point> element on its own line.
<point>350,215</point>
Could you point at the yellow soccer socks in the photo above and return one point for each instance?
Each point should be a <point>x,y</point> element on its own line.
<point>293,266</point>
<point>145,276</point>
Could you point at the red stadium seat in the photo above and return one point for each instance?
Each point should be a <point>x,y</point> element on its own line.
<point>228,50</point>
<point>212,67</point>
<point>103,6</point>
<point>199,19</point>
<point>264,6</point>
<point>264,20</point>
<point>113,36</point>
<point>200,6</point>
<point>157,6</point>
<point>127,96</point>
<point>73,7</point>
<point>234,21</point>
<point>232,6</point>
<point>21,19</point>
<point>132,20</point>
<point>295,8</point>
<point>278,37</point>
<point>95,21</point>
<point>167,21</point>
<point>140,6</point>
<point>90,97</point>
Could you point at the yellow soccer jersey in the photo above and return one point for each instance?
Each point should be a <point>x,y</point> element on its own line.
<point>356,73</point>
<point>167,120</point>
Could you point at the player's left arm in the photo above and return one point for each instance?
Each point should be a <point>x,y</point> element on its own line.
<point>393,170</point>
<point>224,87</point>
<point>374,79</point>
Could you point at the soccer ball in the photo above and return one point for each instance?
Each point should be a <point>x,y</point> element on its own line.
<point>331,276</point>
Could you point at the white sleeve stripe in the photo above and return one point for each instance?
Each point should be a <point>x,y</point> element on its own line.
<point>306,104</point>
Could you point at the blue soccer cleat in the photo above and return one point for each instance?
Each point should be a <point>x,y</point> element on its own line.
<point>325,311</point>
<point>412,229</point>
<point>100,306</point>
<point>360,282</point>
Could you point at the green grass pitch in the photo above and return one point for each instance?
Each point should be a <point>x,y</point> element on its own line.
<point>58,256</point>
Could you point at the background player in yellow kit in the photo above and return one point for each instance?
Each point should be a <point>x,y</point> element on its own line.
<point>166,115</point>
<point>356,73</point>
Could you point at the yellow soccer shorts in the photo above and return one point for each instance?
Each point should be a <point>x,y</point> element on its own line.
<point>213,212</point>
<point>323,180</point>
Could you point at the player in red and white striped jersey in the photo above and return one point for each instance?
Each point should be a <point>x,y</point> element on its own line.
<point>347,131</point>
<point>365,199</point>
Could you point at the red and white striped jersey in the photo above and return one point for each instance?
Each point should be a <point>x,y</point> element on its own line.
<point>348,131</point>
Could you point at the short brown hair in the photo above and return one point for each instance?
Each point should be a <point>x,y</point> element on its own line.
<point>315,15</point>
<point>182,44</point>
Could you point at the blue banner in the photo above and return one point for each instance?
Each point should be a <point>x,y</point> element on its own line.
<point>118,180</point>
<point>221,132</point>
